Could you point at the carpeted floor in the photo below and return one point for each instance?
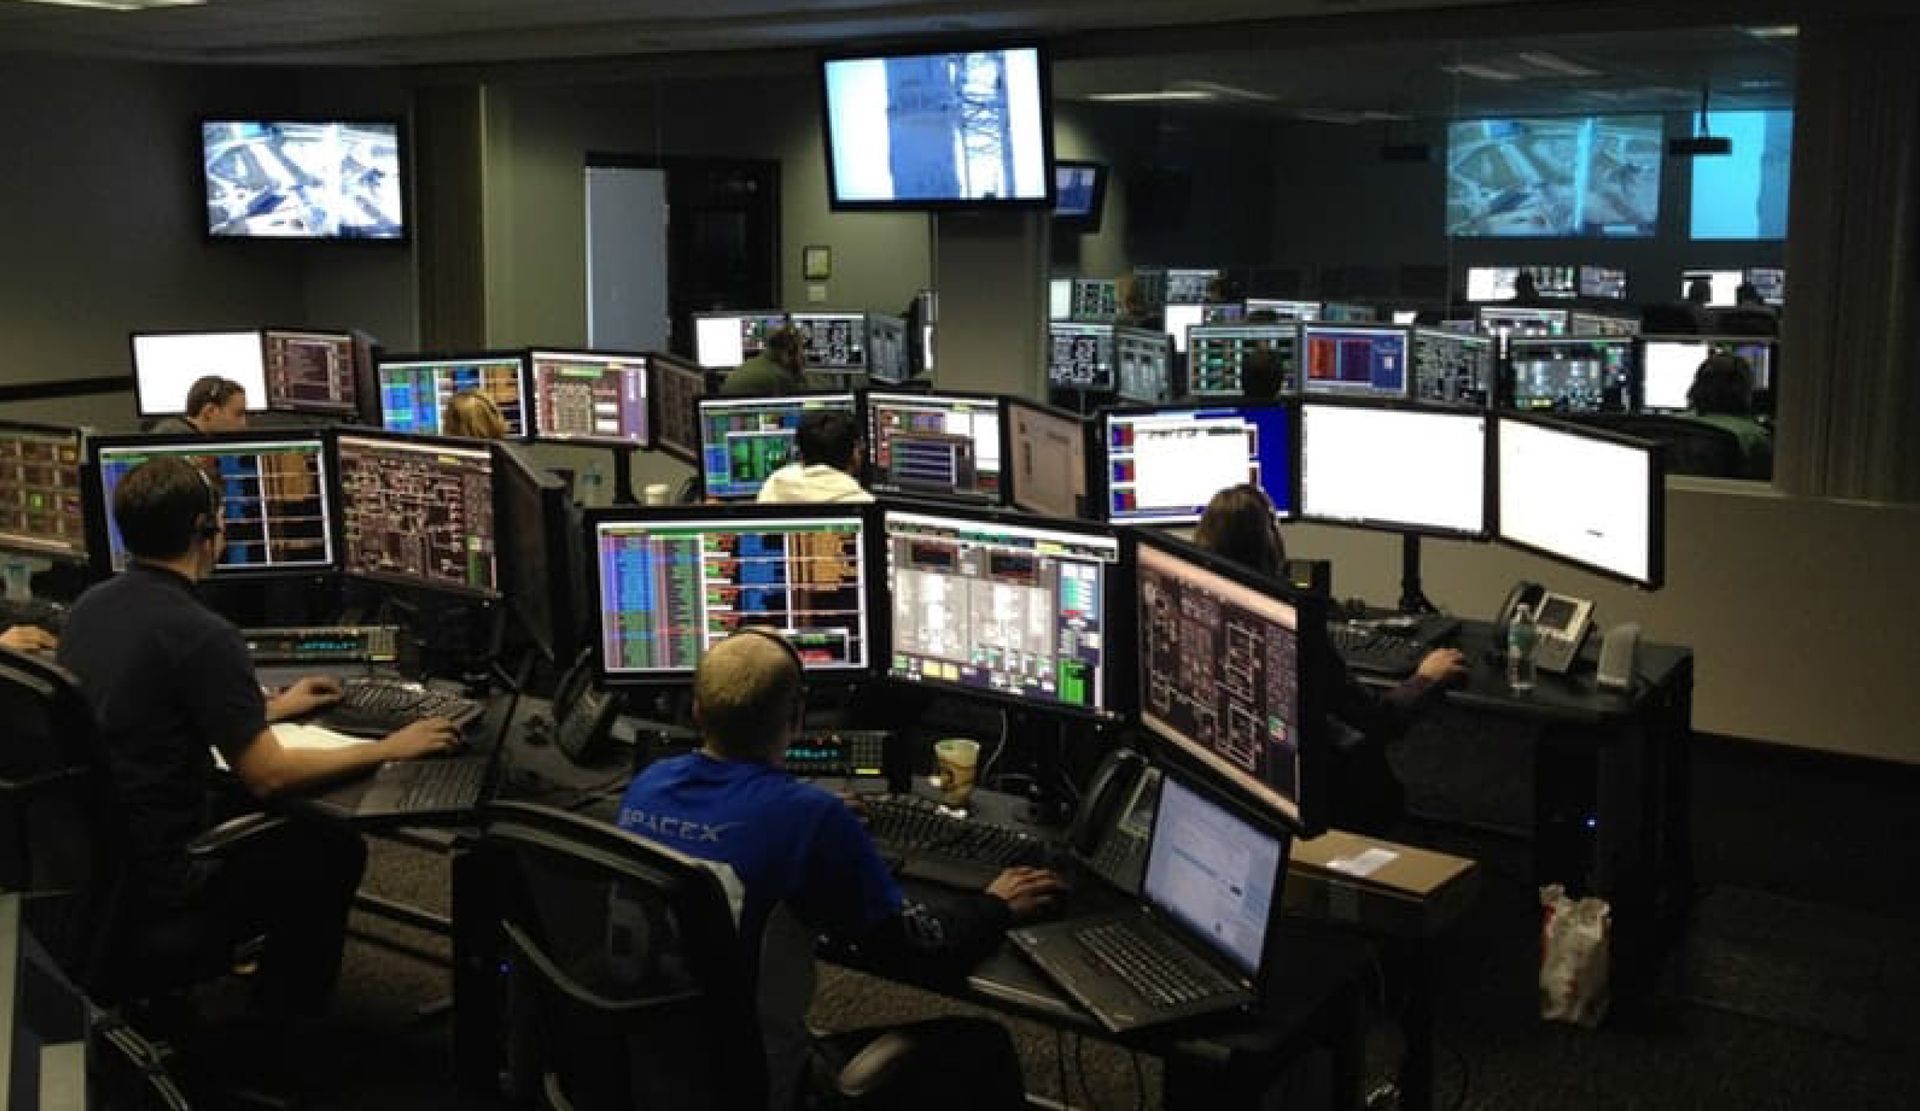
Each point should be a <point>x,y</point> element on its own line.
<point>1796,987</point>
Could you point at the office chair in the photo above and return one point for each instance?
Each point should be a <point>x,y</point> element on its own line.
<point>1692,448</point>
<point>1745,322</point>
<point>1668,320</point>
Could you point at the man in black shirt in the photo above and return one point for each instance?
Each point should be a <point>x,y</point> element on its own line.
<point>214,404</point>
<point>170,680</point>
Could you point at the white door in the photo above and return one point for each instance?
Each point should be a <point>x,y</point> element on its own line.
<point>627,259</point>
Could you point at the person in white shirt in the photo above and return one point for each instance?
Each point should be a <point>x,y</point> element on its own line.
<point>830,455</point>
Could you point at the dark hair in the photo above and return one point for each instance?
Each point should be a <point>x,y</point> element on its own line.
<point>212,390</point>
<point>1699,291</point>
<point>1260,377</point>
<point>787,348</point>
<point>1723,384</point>
<point>1239,525</point>
<point>826,437</point>
<point>1524,285</point>
<point>160,506</point>
<point>1746,293</point>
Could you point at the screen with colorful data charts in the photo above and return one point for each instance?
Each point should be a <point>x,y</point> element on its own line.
<point>1354,359</point>
<point>1080,357</point>
<point>669,584</point>
<point>418,512</point>
<point>1617,523</point>
<point>273,489</point>
<point>1398,467</point>
<point>311,372</point>
<point>1452,369</point>
<point>744,440</point>
<point>722,340</point>
<point>1163,465</point>
<point>41,508</point>
<point>935,445</point>
<point>1220,675</point>
<point>590,397</point>
<point>1216,354</point>
<point>1047,459</point>
<point>1572,374</point>
<point>167,364</point>
<point>415,390</point>
<point>1004,607</point>
<point>833,340</point>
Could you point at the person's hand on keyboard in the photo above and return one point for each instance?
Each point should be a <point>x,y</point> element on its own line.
<point>1447,666</point>
<point>304,697</point>
<point>426,737</point>
<point>29,638</point>
<point>1026,891</point>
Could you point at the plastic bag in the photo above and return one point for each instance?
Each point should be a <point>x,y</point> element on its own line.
<point>1576,942</point>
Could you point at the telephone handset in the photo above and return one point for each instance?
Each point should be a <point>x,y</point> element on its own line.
<point>583,714</point>
<point>1561,621</point>
<point>1115,820</point>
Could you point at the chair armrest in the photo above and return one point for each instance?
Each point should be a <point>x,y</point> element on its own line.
<point>233,835</point>
<point>875,1067</point>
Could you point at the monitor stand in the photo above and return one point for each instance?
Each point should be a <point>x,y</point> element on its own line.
<point>1412,598</point>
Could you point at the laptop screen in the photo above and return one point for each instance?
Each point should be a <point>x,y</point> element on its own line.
<point>1213,873</point>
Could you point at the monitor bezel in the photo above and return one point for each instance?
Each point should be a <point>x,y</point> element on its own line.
<point>1043,57</point>
<point>1291,326</point>
<point>1288,406</point>
<point>133,366</point>
<point>682,365</point>
<point>728,515</point>
<point>700,460</point>
<point>403,143</point>
<point>341,412</point>
<point>1656,500</point>
<point>1404,331</point>
<point>693,323</point>
<point>1117,620</point>
<point>82,436</point>
<point>530,410</point>
<point>1489,493</point>
<point>1313,806</point>
<point>1087,482</point>
<point>383,358</point>
<point>870,437</point>
<point>403,582</point>
<point>1087,223</point>
<point>97,508</point>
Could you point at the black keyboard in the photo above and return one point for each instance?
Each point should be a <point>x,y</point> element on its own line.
<point>927,844</point>
<point>377,707</point>
<point>1158,970</point>
<point>416,786</point>
<point>1376,651</point>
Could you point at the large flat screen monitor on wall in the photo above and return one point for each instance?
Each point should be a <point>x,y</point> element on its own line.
<point>304,179</point>
<point>960,129</point>
<point>1555,176</point>
<point>1617,524</point>
<point>1080,192</point>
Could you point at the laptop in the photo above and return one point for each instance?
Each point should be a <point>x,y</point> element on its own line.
<point>437,787</point>
<point>1196,943</point>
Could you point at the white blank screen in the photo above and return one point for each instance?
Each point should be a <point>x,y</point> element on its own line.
<point>1181,317</point>
<point>167,367</point>
<point>1668,367</point>
<point>717,341</point>
<point>1581,498</point>
<point>1393,467</point>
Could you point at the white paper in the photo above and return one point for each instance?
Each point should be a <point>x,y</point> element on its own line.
<point>1364,864</point>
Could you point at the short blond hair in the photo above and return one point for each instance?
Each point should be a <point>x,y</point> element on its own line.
<point>743,695</point>
<point>473,414</point>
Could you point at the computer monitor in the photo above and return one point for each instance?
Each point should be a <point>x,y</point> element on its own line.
<point>1518,321</point>
<point>1584,497</point>
<point>944,445</point>
<point>676,391</point>
<point>1725,285</point>
<point>311,372</point>
<point>417,511</point>
<point>743,440</point>
<point>1003,606</point>
<point>539,556</point>
<point>416,389</point>
<point>1405,316</point>
<point>1080,357</point>
<point>1601,324</point>
<point>1555,281</point>
<point>1217,352</point>
<point>671,581</point>
<point>1216,874</point>
<point>1403,468</point>
<point>1368,360</point>
<point>42,511</point>
<point>1668,364</point>
<point>888,357</point>
<point>1605,282</point>
<point>1059,298</point>
<point>167,364</point>
<point>1284,310</point>
<point>1178,318</point>
<point>1189,287</point>
<point>722,340</point>
<point>590,397</point>
<point>1046,459</point>
<point>833,340</point>
<point>1345,312</point>
<point>1223,312</point>
<point>1163,465</point>
<point>1770,282</point>
<point>1080,193</point>
<point>1453,369</point>
<point>1572,374</point>
<point>1491,283</point>
<point>1223,665</point>
<point>1143,369</point>
<point>275,495</point>
<point>1095,299</point>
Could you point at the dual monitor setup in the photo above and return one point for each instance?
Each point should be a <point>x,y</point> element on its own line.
<point>852,343</point>
<point>1606,283</point>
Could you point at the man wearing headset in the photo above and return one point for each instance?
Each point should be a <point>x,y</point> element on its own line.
<point>169,680</point>
<point>792,843</point>
<point>214,404</point>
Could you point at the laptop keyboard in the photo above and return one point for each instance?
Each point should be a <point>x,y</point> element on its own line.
<point>425,785</point>
<point>1158,971</point>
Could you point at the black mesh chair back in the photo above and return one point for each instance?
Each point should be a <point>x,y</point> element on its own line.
<point>627,986</point>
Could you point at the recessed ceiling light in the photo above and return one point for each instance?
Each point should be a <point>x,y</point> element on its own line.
<point>1784,31</point>
<point>1483,72</point>
<point>1164,94</point>
<point>1554,63</point>
<point>118,5</point>
<point>1227,92</point>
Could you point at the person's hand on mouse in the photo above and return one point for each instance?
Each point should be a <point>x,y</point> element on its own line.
<point>1026,891</point>
<point>1446,666</point>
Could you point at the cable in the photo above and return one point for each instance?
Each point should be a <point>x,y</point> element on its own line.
<point>1080,1063</point>
<point>986,769</point>
<point>1139,1082</point>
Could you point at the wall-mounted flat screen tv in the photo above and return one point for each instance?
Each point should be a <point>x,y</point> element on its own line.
<point>1555,177</point>
<point>304,179</point>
